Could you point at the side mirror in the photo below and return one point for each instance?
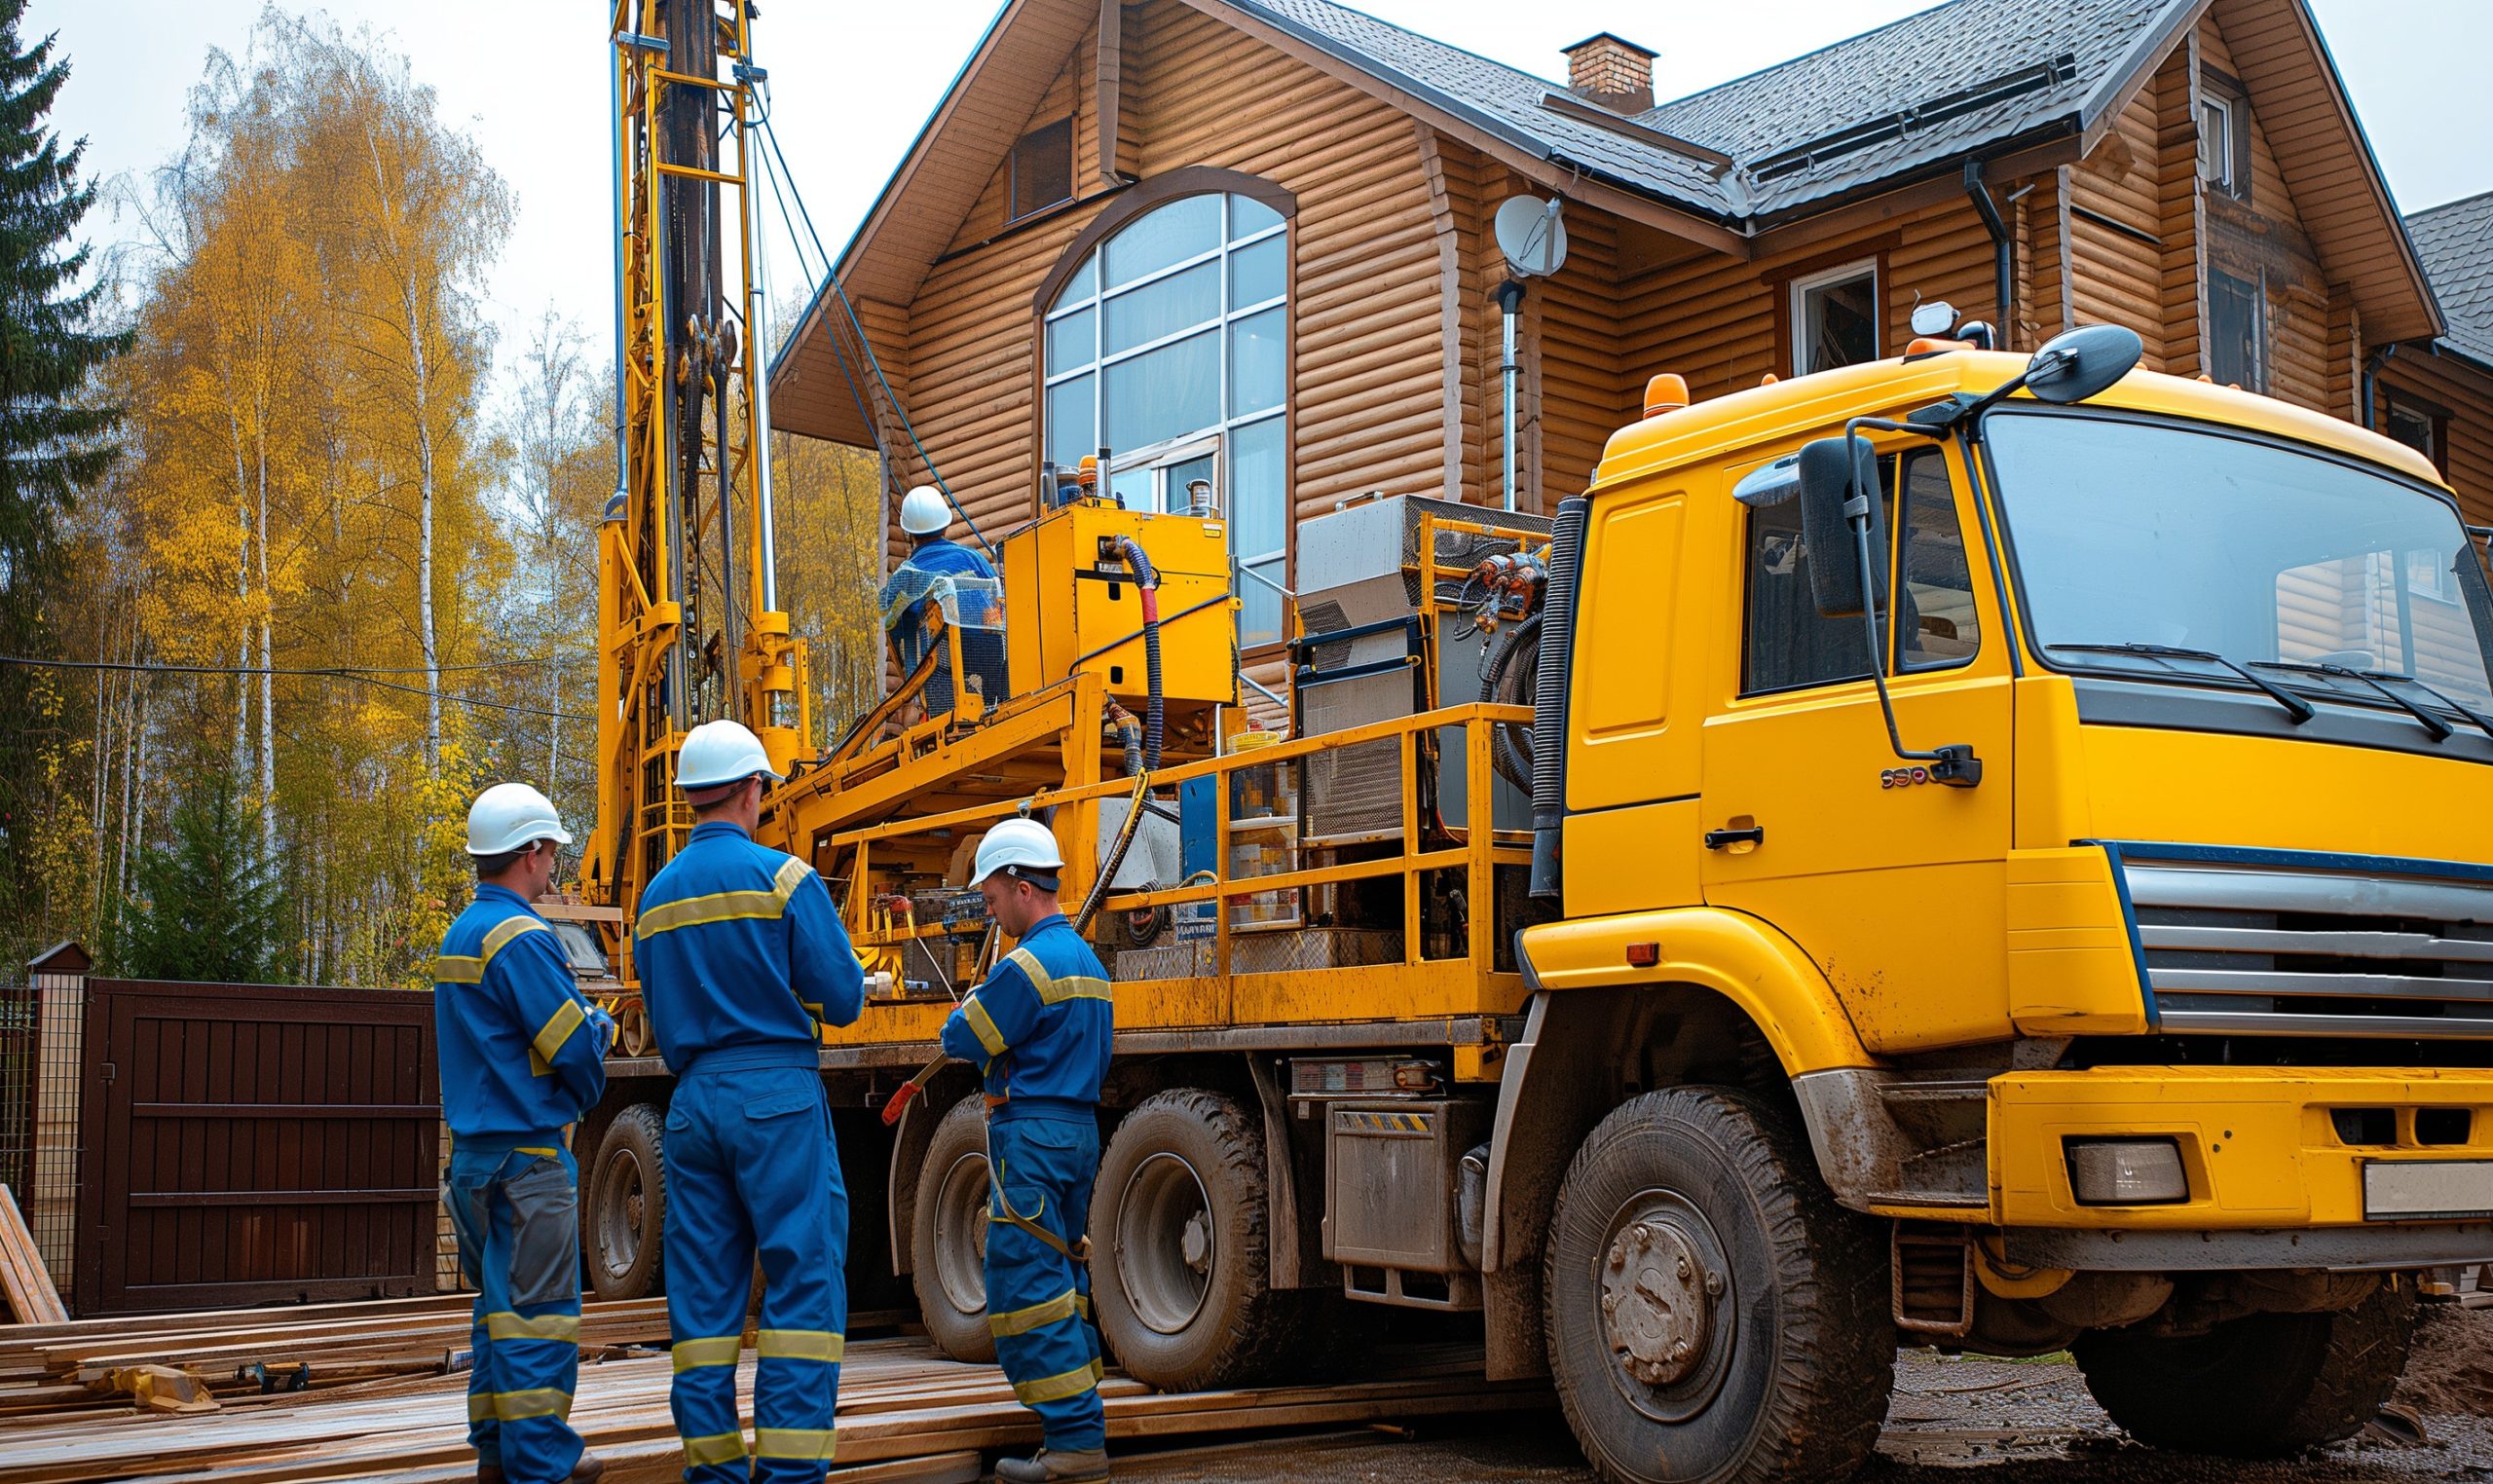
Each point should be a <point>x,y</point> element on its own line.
<point>1833,471</point>
<point>2075,365</point>
<point>1934,318</point>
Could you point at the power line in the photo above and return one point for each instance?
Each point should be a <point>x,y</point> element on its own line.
<point>364,677</point>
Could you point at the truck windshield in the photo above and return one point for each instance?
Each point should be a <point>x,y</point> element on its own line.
<point>2148,548</point>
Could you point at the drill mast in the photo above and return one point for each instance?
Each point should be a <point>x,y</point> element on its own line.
<point>689,623</point>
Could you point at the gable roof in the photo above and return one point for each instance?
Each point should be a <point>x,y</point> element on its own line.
<point>2455,241</point>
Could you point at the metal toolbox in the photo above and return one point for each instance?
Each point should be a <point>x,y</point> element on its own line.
<point>1391,1170</point>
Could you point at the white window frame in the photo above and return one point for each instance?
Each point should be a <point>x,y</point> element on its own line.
<point>2216,153</point>
<point>1799,291</point>
<point>1190,444</point>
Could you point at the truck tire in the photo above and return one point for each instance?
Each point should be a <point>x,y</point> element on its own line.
<point>1712,1314</point>
<point>624,1210</point>
<point>947,1237</point>
<point>2264,1386</point>
<point>1179,1273</point>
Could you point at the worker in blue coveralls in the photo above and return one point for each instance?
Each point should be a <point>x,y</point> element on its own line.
<point>743,963</point>
<point>924,516</point>
<point>523,1055</point>
<point>1037,1029</point>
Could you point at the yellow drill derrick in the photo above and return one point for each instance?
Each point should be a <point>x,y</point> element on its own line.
<point>690,528</point>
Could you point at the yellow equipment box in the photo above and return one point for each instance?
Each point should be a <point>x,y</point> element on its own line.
<point>1074,606</point>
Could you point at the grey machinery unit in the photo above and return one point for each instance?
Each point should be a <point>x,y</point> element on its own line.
<point>1360,596</point>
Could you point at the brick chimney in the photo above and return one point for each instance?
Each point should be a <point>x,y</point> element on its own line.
<point>1613,72</point>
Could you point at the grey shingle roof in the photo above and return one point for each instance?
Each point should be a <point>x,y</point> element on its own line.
<point>2456,244</point>
<point>1934,85</point>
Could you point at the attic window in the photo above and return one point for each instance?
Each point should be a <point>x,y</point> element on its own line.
<point>2224,138</point>
<point>2421,427</point>
<point>1040,174</point>
<point>2236,331</point>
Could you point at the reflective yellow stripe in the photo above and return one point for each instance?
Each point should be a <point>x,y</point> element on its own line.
<point>983,1026</point>
<point>558,1028</point>
<point>551,1154</point>
<point>800,1345</point>
<point>1021,1322</point>
<point>507,1325</point>
<point>724,905</point>
<point>458,969</point>
<point>1072,1383</point>
<point>506,930</point>
<point>480,1406</point>
<point>544,1401</point>
<point>717,1448</point>
<point>720,1349</point>
<point>1056,991</point>
<point>794,1442</point>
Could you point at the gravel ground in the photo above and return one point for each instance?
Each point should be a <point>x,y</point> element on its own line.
<point>2016,1423</point>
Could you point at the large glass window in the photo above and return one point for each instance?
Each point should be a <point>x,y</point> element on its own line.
<point>2176,554</point>
<point>1168,346</point>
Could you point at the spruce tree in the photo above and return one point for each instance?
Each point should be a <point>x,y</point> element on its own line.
<point>206,906</point>
<point>55,434</point>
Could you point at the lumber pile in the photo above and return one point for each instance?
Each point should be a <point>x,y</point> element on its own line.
<point>259,1352</point>
<point>904,1415</point>
<point>24,1283</point>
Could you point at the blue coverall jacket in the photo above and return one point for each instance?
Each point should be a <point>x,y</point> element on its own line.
<point>1038,1029</point>
<point>904,621</point>
<point>522,1054</point>
<point>742,960</point>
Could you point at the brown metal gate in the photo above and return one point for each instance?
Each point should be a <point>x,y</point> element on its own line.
<point>254,1143</point>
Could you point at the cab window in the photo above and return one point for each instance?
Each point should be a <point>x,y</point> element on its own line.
<point>1790,645</point>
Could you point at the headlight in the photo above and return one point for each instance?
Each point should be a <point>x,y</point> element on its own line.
<point>2127,1171</point>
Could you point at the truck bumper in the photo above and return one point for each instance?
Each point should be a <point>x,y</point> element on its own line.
<point>2272,1180</point>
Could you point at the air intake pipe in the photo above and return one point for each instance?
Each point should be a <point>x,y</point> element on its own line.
<point>1553,680</point>
<point>1146,582</point>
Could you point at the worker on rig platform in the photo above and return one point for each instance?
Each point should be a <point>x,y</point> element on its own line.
<point>924,516</point>
<point>522,1057</point>
<point>742,960</point>
<point>1038,1031</point>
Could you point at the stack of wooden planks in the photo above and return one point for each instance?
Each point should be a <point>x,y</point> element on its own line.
<point>904,1414</point>
<point>258,1353</point>
<point>24,1283</point>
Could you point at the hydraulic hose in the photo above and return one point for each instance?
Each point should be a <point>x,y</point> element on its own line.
<point>1513,751</point>
<point>1128,737</point>
<point>1116,855</point>
<point>1146,582</point>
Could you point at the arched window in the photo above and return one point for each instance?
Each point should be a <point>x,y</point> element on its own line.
<point>1166,347</point>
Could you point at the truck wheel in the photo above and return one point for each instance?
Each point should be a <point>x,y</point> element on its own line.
<point>625,1207</point>
<point>947,1240</point>
<point>1180,1276</point>
<point>1712,1314</point>
<point>2264,1386</point>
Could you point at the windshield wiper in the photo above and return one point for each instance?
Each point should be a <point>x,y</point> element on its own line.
<point>2482,722</point>
<point>2439,728</point>
<point>2296,706</point>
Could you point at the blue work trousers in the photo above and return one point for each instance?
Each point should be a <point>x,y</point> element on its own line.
<point>751,1168</point>
<point>1038,1299</point>
<point>516,1214</point>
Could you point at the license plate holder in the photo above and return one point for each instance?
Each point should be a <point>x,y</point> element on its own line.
<point>2427,1190</point>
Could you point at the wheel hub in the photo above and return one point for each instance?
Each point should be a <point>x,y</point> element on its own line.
<point>1194,1244</point>
<point>1656,1302</point>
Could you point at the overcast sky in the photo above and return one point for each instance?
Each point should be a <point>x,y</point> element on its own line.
<point>853,82</point>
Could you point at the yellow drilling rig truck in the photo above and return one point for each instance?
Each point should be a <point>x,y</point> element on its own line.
<point>1966,849</point>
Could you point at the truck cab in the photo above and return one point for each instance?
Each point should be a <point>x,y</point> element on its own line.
<point>2036,807</point>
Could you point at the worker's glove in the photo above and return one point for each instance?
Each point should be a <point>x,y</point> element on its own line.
<point>603,1024</point>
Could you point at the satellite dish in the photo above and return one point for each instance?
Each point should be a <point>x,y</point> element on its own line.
<point>1531,235</point>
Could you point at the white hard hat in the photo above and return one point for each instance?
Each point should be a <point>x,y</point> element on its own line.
<point>720,751</point>
<point>509,815</point>
<point>924,511</point>
<point>1025,843</point>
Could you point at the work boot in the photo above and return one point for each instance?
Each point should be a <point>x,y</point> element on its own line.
<point>1053,1465</point>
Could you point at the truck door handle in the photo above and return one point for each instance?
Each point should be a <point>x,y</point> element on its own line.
<point>1717,839</point>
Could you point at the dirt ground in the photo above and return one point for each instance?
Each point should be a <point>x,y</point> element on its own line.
<point>2022,1422</point>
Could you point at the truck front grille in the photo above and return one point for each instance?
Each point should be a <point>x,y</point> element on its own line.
<point>2245,947</point>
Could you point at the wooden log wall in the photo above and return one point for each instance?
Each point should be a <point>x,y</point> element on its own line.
<point>2465,394</point>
